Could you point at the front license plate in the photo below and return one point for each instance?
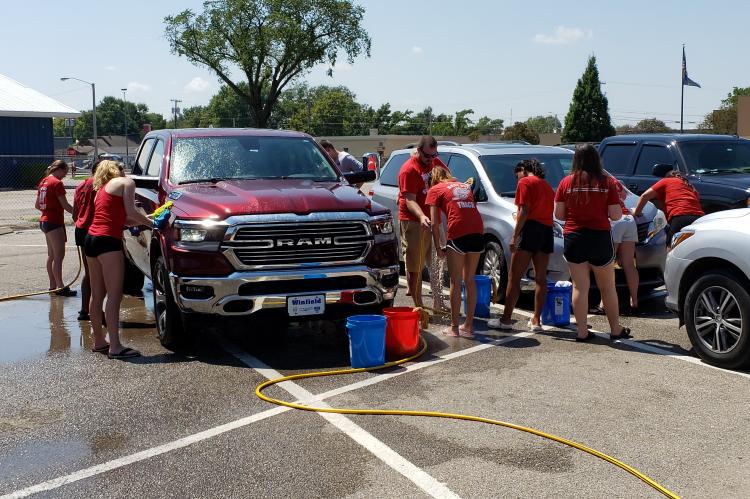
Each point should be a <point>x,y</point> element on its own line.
<point>306,305</point>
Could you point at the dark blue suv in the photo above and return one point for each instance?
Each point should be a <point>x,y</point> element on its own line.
<point>717,165</point>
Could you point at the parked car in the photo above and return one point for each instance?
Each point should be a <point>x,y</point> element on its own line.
<point>708,284</point>
<point>491,166</point>
<point>718,166</point>
<point>263,225</point>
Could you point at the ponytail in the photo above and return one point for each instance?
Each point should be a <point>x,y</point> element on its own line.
<point>677,174</point>
<point>56,165</point>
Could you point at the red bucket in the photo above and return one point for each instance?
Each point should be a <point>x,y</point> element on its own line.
<point>401,332</point>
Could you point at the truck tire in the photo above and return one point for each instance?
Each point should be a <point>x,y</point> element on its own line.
<point>132,283</point>
<point>169,321</point>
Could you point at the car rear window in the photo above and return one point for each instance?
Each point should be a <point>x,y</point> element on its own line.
<point>499,169</point>
<point>389,175</point>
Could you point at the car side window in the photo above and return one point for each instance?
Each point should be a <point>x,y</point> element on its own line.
<point>154,164</point>
<point>652,155</point>
<point>462,168</point>
<point>617,158</point>
<point>389,175</point>
<point>141,162</point>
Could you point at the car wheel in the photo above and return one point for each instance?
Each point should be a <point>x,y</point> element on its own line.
<point>717,317</point>
<point>492,263</point>
<point>169,320</point>
<point>132,283</point>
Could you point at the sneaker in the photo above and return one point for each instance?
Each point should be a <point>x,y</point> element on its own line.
<point>535,328</point>
<point>498,324</point>
<point>66,291</point>
<point>83,316</point>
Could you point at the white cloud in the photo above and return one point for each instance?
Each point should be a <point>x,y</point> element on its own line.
<point>197,85</point>
<point>136,86</point>
<point>563,36</point>
<point>111,68</point>
<point>417,50</point>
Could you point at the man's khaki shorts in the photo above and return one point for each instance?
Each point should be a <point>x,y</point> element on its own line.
<point>414,238</point>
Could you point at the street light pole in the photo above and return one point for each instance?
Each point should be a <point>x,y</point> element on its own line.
<point>93,100</point>
<point>124,103</point>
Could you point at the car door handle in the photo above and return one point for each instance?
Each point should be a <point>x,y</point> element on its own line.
<point>633,187</point>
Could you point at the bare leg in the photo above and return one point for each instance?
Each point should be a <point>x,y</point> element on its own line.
<point>50,260</point>
<point>519,262</point>
<point>98,291</point>
<point>605,280</point>
<point>579,272</point>
<point>456,271</point>
<point>85,287</point>
<point>470,261</point>
<point>57,238</point>
<point>113,271</point>
<point>541,261</point>
<point>626,252</point>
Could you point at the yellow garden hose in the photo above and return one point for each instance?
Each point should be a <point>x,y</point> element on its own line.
<point>49,291</point>
<point>434,414</point>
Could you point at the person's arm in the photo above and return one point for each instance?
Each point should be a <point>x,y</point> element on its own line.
<point>521,217</point>
<point>76,209</point>
<point>560,210</point>
<point>132,214</point>
<point>415,209</point>
<point>614,212</point>
<point>64,202</point>
<point>435,216</point>
<point>645,198</point>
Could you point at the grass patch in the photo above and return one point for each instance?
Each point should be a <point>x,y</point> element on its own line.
<point>33,219</point>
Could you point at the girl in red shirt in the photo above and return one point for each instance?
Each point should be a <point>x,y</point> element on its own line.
<point>83,215</point>
<point>51,201</point>
<point>114,207</point>
<point>679,200</point>
<point>465,242</point>
<point>533,241</point>
<point>587,200</point>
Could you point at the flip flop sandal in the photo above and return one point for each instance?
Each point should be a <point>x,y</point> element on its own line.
<point>449,331</point>
<point>589,336</point>
<point>127,353</point>
<point>102,349</point>
<point>624,333</point>
<point>465,334</point>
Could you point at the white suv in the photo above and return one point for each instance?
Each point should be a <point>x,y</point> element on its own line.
<point>708,278</point>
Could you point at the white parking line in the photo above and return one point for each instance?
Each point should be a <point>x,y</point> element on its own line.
<point>379,449</point>
<point>233,425</point>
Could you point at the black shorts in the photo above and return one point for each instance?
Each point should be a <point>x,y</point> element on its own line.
<point>98,245</point>
<point>49,227</point>
<point>80,236</point>
<point>592,246</point>
<point>470,243</point>
<point>537,238</point>
<point>679,222</point>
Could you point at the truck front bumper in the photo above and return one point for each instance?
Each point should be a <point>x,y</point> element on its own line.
<point>247,293</point>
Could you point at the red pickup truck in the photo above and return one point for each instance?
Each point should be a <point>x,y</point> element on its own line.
<point>263,225</point>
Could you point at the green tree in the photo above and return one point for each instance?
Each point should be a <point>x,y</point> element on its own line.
<point>625,129</point>
<point>588,116</point>
<point>521,131</point>
<point>335,112</point>
<point>724,119</point>
<point>544,124</point>
<point>158,122</point>
<point>731,100</point>
<point>114,116</point>
<point>487,126</point>
<point>271,42</point>
<point>58,127</point>
<point>651,125</point>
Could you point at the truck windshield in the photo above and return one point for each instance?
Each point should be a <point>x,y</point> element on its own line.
<point>500,169</point>
<point>195,159</point>
<point>716,157</point>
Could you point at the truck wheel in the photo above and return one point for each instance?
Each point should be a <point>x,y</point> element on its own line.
<point>492,263</point>
<point>169,323</point>
<point>717,317</point>
<point>132,283</point>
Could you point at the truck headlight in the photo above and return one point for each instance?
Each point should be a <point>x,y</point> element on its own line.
<point>192,235</point>
<point>382,228</point>
<point>658,224</point>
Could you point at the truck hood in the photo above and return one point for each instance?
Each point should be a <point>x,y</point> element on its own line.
<point>241,197</point>
<point>738,180</point>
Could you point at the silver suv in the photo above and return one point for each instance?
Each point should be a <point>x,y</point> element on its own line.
<point>708,278</point>
<point>492,165</point>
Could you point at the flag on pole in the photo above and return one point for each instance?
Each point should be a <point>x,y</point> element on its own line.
<point>685,80</point>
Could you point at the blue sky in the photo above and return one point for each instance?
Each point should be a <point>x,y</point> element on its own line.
<point>492,57</point>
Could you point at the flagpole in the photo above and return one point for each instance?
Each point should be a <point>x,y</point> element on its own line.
<point>682,88</point>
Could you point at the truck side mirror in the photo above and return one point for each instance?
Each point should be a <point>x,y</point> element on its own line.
<point>661,170</point>
<point>143,182</point>
<point>360,177</point>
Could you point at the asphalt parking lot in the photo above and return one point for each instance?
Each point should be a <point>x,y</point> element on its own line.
<point>75,424</point>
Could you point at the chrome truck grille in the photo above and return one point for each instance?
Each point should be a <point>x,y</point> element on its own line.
<point>291,244</point>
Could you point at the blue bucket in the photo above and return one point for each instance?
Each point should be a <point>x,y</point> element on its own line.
<point>484,295</point>
<point>556,311</point>
<point>366,340</point>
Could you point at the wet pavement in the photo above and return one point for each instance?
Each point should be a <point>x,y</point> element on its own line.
<point>188,424</point>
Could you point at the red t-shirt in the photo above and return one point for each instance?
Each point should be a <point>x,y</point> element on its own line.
<point>586,207</point>
<point>83,204</point>
<point>457,202</point>
<point>538,197</point>
<point>678,198</point>
<point>412,178</point>
<point>50,189</point>
<point>620,189</point>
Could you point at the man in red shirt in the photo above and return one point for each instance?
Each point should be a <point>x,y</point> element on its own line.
<point>532,241</point>
<point>414,223</point>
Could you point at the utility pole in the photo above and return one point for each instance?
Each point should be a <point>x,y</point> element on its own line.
<point>124,102</point>
<point>175,110</point>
